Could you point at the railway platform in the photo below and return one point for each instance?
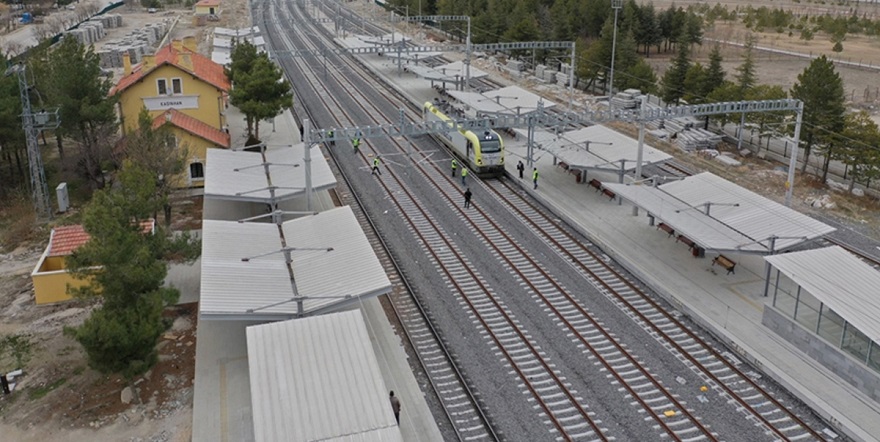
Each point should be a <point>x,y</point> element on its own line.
<point>729,305</point>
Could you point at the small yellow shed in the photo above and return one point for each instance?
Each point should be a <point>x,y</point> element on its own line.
<point>50,275</point>
<point>208,7</point>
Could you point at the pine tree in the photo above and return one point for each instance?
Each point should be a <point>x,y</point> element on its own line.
<point>75,84</point>
<point>260,93</point>
<point>746,76</point>
<point>820,87</point>
<point>714,72</point>
<point>860,148</point>
<point>673,80</point>
<point>128,269</point>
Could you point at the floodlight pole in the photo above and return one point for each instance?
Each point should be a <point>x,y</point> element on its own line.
<point>467,59</point>
<point>307,145</point>
<point>616,5</point>
<point>789,185</point>
<point>641,148</point>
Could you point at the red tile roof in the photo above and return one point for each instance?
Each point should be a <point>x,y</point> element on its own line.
<point>202,68</point>
<point>193,126</point>
<point>66,239</point>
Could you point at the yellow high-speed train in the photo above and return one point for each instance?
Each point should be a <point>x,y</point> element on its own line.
<point>484,152</point>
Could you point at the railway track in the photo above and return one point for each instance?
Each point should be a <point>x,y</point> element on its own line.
<point>463,411</point>
<point>561,404</point>
<point>720,371</point>
<point>568,415</point>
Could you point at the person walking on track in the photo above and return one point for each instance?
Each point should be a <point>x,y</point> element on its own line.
<point>467,197</point>
<point>330,135</point>
<point>454,166</point>
<point>356,143</point>
<point>535,177</point>
<point>376,169</point>
<point>520,167</point>
<point>395,406</point>
<point>464,174</point>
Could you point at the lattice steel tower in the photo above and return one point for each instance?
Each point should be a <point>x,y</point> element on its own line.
<point>32,123</point>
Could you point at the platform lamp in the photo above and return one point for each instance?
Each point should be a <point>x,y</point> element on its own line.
<point>615,5</point>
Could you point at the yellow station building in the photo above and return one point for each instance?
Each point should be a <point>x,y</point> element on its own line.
<point>181,88</point>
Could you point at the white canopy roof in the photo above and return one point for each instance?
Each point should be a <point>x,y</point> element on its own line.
<point>840,280</point>
<point>454,71</point>
<point>510,100</point>
<point>739,220</point>
<point>240,176</point>
<point>238,283</point>
<point>572,148</point>
<point>318,379</point>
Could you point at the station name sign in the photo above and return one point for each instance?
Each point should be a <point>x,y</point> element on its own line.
<point>174,102</point>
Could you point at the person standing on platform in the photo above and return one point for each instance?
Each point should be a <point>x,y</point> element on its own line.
<point>535,177</point>
<point>395,406</point>
<point>521,168</point>
<point>467,197</point>
<point>376,169</point>
<point>454,166</point>
<point>464,174</point>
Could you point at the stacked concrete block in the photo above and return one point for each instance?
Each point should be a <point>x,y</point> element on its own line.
<point>549,75</point>
<point>628,99</point>
<point>539,70</point>
<point>136,44</point>
<point>562,78</point>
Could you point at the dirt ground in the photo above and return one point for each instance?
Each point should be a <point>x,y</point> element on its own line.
<point>60,398</point>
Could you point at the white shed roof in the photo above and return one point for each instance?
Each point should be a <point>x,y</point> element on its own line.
<point>571,147</point>
<point>746,228</point>
<point>510,100</point>
<point>318,379</point>
<point>237,289</point>
<point>239,176</point>
<point>840,280</point>
<point>454,71</point>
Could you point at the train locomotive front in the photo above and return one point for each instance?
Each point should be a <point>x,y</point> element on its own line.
<point>483,150</point>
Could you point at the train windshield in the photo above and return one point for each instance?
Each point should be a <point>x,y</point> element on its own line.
<point>490,146</point>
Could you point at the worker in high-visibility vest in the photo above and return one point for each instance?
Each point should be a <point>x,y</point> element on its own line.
<point>464,174</point>
<point>454,166</point>
<point>376,169</point>
<point>330,135</point>
<point>356,143</point>
<point>535,177</point>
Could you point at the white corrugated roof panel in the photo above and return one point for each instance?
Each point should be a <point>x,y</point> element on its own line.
<point>745,228</point>
<point>840,280</point>
<point>330,280</point>
<point>454,71</point>
<point>571,147</point>
<point>238,176</point>
<point>318,379</point>
<point>510,100</point>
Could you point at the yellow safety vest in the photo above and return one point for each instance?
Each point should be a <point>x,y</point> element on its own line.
<point>454,164</point>
<point>464,172</point>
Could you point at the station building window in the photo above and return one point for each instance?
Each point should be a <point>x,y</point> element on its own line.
<point>162,86</point>
<point>176,86</point>
<point>196,171</point>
